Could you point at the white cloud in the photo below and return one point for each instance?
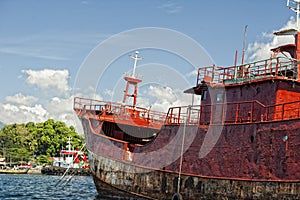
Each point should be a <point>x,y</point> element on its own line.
<point>10,113</point>
<point>108,92</point>
<point>36,110</point>
<point>59,109</point>
<point>163,94</point>
<point>49,79</point>
<point>60,105</point>
<point>261,50</point>
<point>162,98</point>
<point>21,99</point>
<point>170,7</point>
<point>21,108</point>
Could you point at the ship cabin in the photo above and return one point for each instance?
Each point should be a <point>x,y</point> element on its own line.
<point>262,91</point>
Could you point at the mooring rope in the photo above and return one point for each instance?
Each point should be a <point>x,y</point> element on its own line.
<point>182,148</point>
<point>69,179</point>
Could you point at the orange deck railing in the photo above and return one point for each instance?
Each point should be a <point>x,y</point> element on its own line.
<point>117,110</point>
<point>232,113</point>
<point>279,67</point>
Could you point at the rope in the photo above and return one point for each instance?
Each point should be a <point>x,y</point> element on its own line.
<point>182,148</point>
<point>69,179</point>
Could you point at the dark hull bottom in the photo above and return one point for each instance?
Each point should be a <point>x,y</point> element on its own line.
<point>119,180</point>
<point>108,192</point>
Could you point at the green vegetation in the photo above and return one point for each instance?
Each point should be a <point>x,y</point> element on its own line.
<point>37,142</point>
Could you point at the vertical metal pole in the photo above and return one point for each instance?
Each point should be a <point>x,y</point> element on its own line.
<point>297,15</point>
<point>135,94</point>
<point>237,112</point>
<point>126,92</point>
<point>134,65</point>
<point>235,67</point>
<point>295,9</point>
<point>244,44</point>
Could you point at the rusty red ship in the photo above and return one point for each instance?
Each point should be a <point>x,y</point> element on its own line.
<point>240,142</point>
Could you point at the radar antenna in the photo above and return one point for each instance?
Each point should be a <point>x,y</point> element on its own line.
<point>294,5</point>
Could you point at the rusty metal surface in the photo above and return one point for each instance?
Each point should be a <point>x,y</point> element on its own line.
<point>249,161</point>
<point>243,145</point>
<point>163,185</point>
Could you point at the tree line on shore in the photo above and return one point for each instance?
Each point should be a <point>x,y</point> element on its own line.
<point>36,142</point>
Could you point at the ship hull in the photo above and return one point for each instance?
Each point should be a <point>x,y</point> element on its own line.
<point>155,184</point>
<point>234,168</point>
<point>14,171</point>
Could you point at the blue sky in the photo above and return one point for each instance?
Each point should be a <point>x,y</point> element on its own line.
<point>44,45</point>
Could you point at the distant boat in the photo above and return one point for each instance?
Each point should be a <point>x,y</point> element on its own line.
<point>15,171</point>
<point>72,161</point>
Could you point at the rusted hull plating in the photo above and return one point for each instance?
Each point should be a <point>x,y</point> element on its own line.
<point>248,161</point>
<point>155,184</point>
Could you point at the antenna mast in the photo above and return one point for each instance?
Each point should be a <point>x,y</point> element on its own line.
<point>135,58</point>
<point>132,80</point>
<point>294,5</point>
<point>244,44</point>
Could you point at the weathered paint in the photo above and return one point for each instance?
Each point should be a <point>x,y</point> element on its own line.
<point>111,180</point>
<point>242,145</point>
<point>249,161</point>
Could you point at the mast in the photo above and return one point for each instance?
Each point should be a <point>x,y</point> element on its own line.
<point>135,58</point>
<point>132,80</point>
<point>294,5</point>
<point>244,44</point>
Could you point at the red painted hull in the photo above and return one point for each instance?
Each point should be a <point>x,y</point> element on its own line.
<point>240,142</point>
<point>249,161</point>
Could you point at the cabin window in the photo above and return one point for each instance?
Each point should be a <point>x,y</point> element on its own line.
<point>204,95</point>
<point>219,97</point>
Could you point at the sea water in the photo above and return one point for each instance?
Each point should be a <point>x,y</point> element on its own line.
<point>30,186</point>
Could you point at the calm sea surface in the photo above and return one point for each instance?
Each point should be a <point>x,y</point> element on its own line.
<point>43,187</point>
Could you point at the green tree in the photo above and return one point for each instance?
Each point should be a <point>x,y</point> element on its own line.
<point>25,142</point>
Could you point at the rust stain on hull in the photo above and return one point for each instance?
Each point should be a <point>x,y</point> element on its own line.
<point>235,168</point>
<point>162,185</point>
<point>240,142</point>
